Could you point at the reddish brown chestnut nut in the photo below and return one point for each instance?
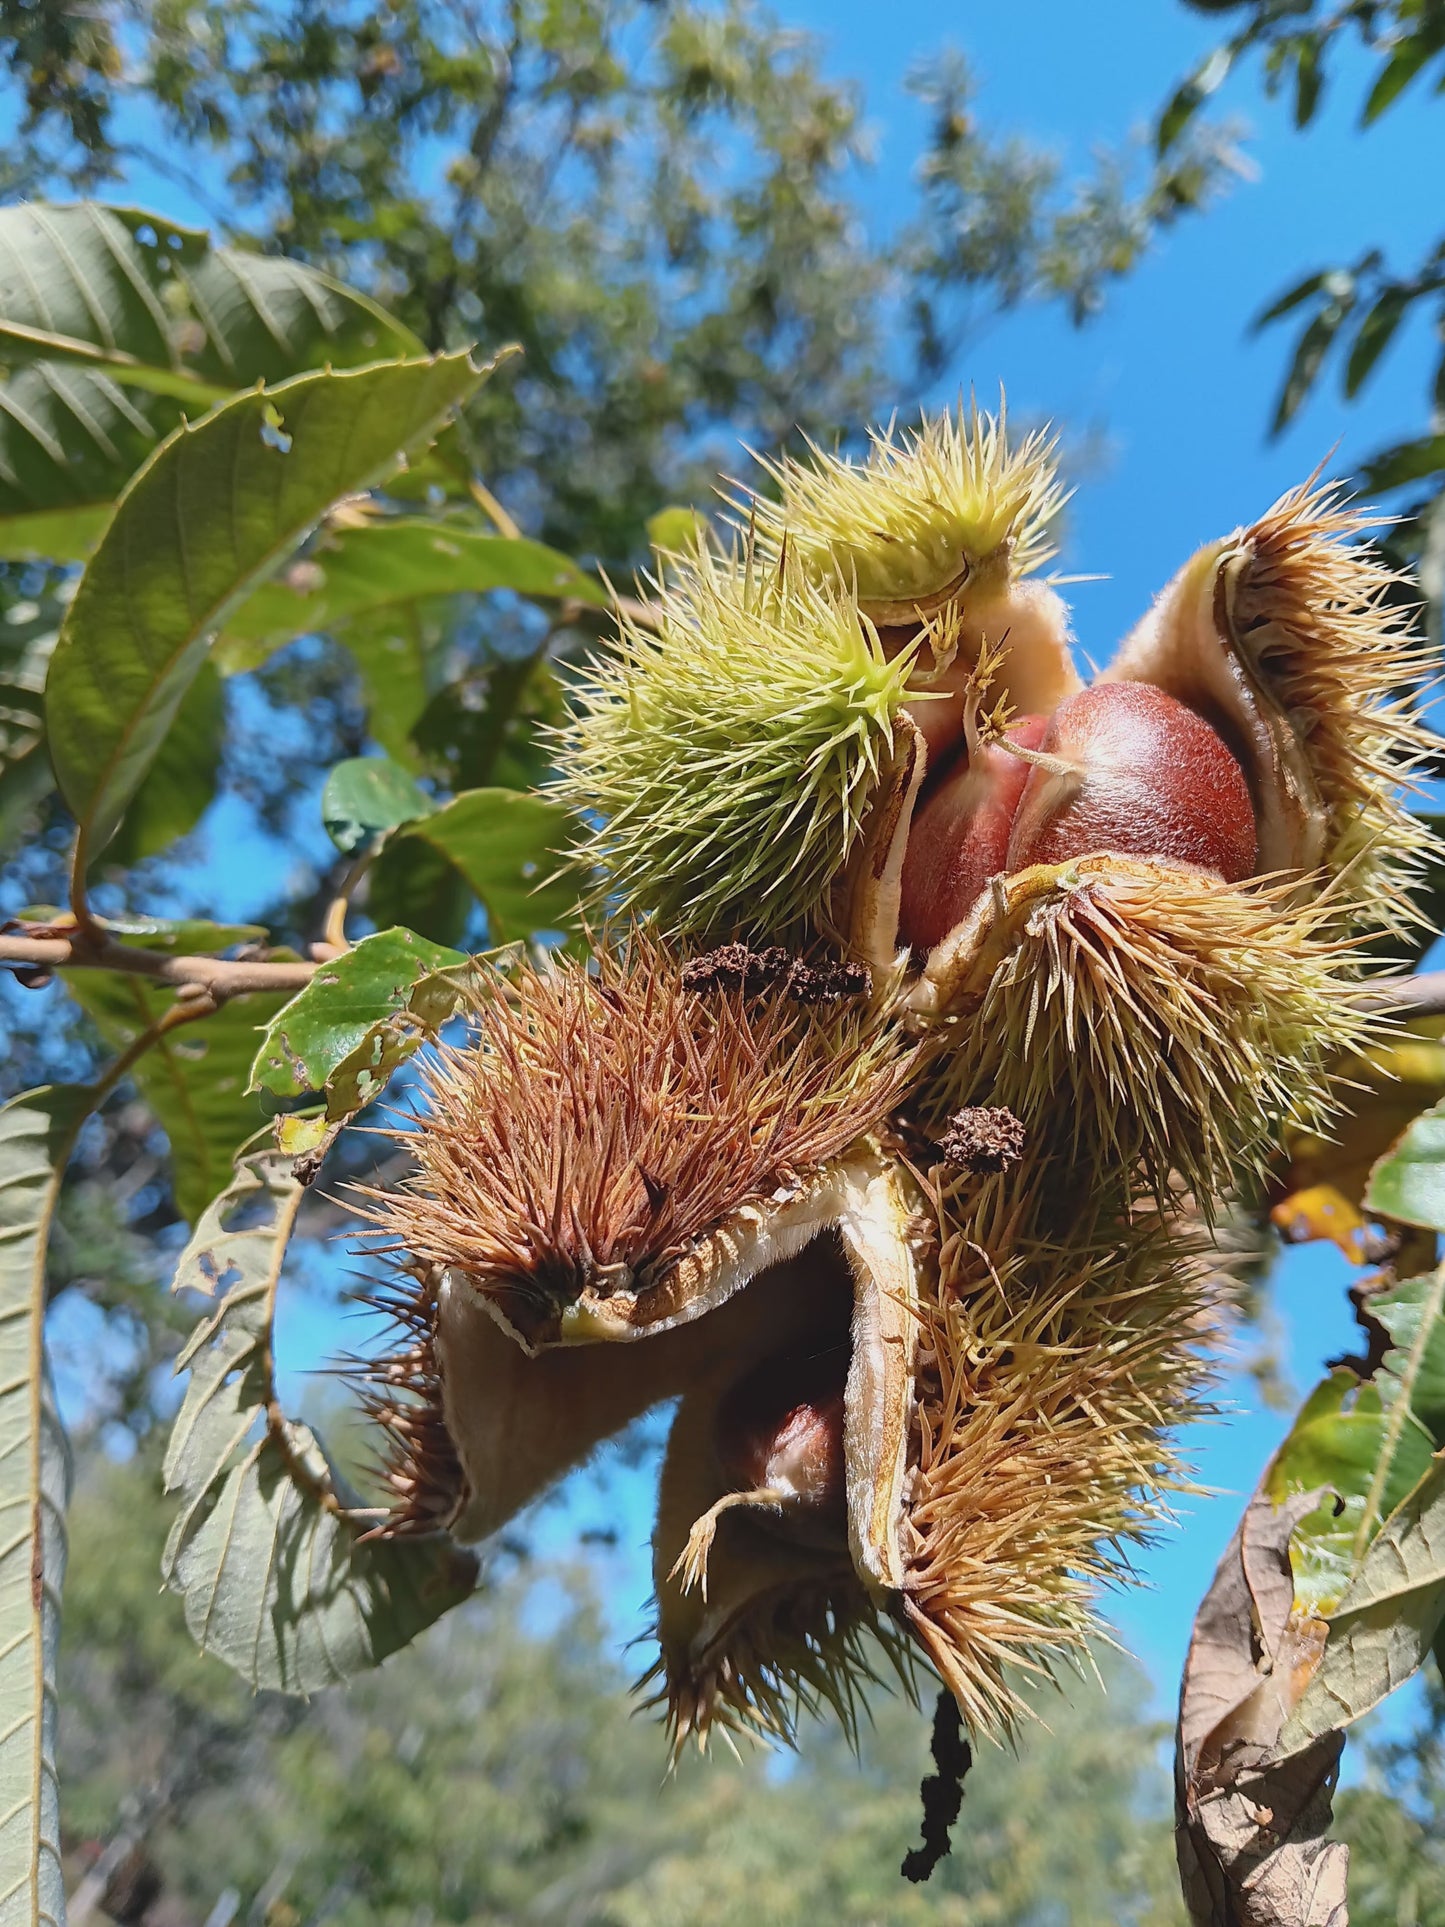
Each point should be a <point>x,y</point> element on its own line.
<point>779,1432</point>
<point>1135,773</point>
<point>960,838</point>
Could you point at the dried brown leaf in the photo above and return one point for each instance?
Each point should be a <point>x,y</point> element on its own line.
<point>1250,1829</point>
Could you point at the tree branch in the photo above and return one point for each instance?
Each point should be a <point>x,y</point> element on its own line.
<point>217,978</point>
<point>213,979</point>
<point>1422,995</point>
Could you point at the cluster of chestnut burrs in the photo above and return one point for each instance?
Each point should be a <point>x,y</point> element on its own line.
<point>943,1003</point>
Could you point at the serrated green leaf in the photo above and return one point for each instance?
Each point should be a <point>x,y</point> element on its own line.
<point>155,306</point>
<point>1347,1439</point>
<point>69,440</point>
<point>216,508</point>
<point>37,1133</point>
<point>383,565</point>
<point>504,844</point>
<point>1408,1183</point>
<point>273,1571</point>
<point>1376,332</point>
<point>111,340</point>
<point>362,1075</point>
<point>346,1001</point>
<point>180,784</point>
<point>1370,1443</point>
<point>27,636</point>
<point>367,795</point>
<point>194,1079</point>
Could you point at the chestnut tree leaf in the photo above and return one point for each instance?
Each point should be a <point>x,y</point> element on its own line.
<point>367,795</point>
<point>1369,1443</point>
<point>347,1000</point>
<point>380,566</point>
<point>267,1550</point>
<point>1386,1622</point>
<point>180,784</point>
<point>37,1133</point>
<point>27,635</point>
<point>113,323</point>
<point>216,508</point>
<point>157,307</point>
<point>69,441</point>
<point>505,846</point>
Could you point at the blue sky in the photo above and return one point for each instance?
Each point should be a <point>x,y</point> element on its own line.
<point>1179,396</point>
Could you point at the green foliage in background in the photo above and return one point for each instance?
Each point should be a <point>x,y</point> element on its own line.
<point>1348,314</point>
<point>492,1773</point>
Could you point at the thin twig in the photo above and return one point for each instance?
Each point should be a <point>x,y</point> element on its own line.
<point>333,930</point>
<point>493,510</point>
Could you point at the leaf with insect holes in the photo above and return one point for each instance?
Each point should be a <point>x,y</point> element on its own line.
<point>348,1000</point>
<point>359,1077</point>
<point>1370,1443</point>
<point>275,1573</point>
<point>113,324</point>
<point>157,307</point>
<point>1387,1621</point>
<point>37,1132</point>
<point>217,507</point>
